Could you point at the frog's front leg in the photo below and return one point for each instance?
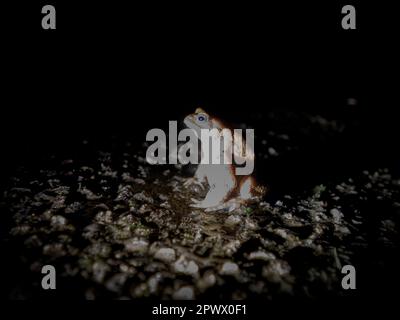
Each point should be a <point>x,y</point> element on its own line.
<point>220,188</point>
<point>199,177</point>
<point>214,197</point>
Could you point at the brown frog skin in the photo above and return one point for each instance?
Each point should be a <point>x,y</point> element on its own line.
<point>226,190</point>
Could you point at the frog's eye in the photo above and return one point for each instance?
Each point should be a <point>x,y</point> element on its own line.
<point>201,117</point>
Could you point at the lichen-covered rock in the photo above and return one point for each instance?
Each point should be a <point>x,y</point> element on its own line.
<point>138,246</point>
<point>184,293</point>
<point>229,269</point>
<point>186,267</point>
<point>165,254</point>
<point>233,221</point>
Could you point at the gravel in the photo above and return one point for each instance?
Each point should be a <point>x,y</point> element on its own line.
<point>116,227</point>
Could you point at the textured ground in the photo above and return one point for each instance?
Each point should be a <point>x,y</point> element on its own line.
<point>116,227</point>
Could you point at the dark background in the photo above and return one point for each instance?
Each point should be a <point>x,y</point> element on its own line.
<point>113,68</point>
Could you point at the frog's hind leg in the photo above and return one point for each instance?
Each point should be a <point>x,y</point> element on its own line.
<point>229,206</point>
<point>245,194</point>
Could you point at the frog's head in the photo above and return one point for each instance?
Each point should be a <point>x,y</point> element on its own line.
<point>198,120</point>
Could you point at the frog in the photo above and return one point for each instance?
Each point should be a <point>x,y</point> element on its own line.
<point>226,190</point>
